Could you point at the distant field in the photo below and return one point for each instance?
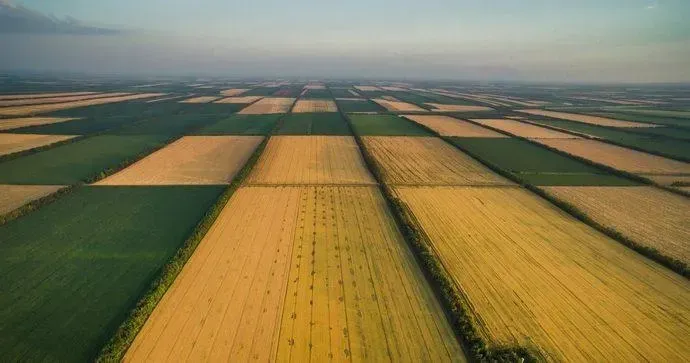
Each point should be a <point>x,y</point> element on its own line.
<point>315,105</point>
<point>16,123</point>
<point>13,143</point>
<point>200,99</point>
<point>449,126</point>
<point>341,93</point>
<point>47,100</point>
<point>41,109</point>
<point>427,161</point>
<point>77,161</point>
<point>385,125</point>
<point>536,164</point>
<point>524,129</point>
<point>536,277</point>
<point>359,106</point>
<point>73,269</point>
<point>261,91</point>
<point>241,125</point>
<point>268,105</point>
<point>299,274</point>
<point>317,93</point>
<point>313,124</point>
<point>594,120</point>
<point>395,105</point>
<point>658,120</point>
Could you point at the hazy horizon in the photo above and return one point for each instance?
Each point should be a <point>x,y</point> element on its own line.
<point>610,41</point>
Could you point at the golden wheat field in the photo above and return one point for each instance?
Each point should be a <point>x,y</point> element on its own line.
<point>299,274</point>
<point>268,105</point>
<point>440,107</point>
<point>524,129</point>
<point>242,99</point>
<point>315,105</point>
<point>449,126</point>
<point>534,276</point>
<point>15,123</point>
<point>12,143</point>
<point>650,216</point>
<point>682,179</point>
<point>46,100</point>
<point>594,120</point>
<point>200,99</point>
<point>15,196</point>
<point>407,160</point>
<point>232,92</point>
<point>618,157</point>
<point>311,160</point>
<point>368,88</point>
<point>394,105</point>
<point>191,160</point>
<point>38,109</point>
<point>42,95</point>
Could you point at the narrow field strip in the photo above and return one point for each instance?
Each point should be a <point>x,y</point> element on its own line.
<point>395,105</point>
<point>47,100</point>
<point>594,120</point>
<point>38,109</point>
<point>311,160</point>
<point>533,276</point>
<point>268,105</point>
<point>27,96</point>
<point>239,100</point>
<point>15,123</point>
<point>232,92</point>
<point>525,130</point>
<point>15,196</point>
<point>200,99</point>
<point>449,126</point>
<point>299,274</point>
<point>441,107</point>
<point>12,143</point>
<point>652,217</point>
<point>321,105</point>
<point>427,161</point>
<point>191,160</point>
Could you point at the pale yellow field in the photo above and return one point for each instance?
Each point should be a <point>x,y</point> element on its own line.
<point>534,276</point>
<point>393,88</point>
<point>617,102</point>
<point>191,160</point>
<point>46,100</point>
<point>244,99</point>
<point>12,143</point>
<point>165,99</point>
<point>233,92</point>
<point>200,99</point>
<point>350,99</point>
<point>449,126</point>
<point>38,109</point>
<point>268,105</point>
<point>649,216</point>
<point>355,93</point>
<point>618,157</point>
<point>367,88</point>
<point>310,160</point>
<point>407,160</point>
<point>398,106</point>
<point>299,274</point>
<point>668,179</point>
<point>315,86</point>
<point>15,123</point>
<point>315,105</point>
<point>524,129</point>
<point>15,196</point>
<point>594,120</point>
<point>42,95</point>
<point>440,107</point>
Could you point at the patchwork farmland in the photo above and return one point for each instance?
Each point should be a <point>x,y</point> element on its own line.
<point>307,220</point>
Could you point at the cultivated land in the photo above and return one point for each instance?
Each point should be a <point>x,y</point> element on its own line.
<point>362,105</point>
<point>15,123</point>
<point>427,161</point>
<point>239,100</point>
<point>441,107</point>
<point>42,95</point>
<point>268,105</point>
<point>73,269</point>
<point>536,277</point>
<point>523,129</point>
<point>311,160</point>
<point>201,99</point>
<point>46,100</point>
<point>191,160</point>
<point>449,126</point>
<point>299,274</point>
<point>647,215</point>
<point>395,105</point>
<point>241,125</point>
<point>385,125</point>
<point>620,158</point>
<point>15,196</point>
<point>12,143</point>
<point>304,105</point>
<point>331,123</point>
<point>594,120</point>
<point>233,92</point>
<point>38,109</point>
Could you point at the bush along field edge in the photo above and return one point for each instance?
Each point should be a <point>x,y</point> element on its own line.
<point>455,304</point>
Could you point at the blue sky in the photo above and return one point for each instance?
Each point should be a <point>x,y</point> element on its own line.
<point>559,40</point>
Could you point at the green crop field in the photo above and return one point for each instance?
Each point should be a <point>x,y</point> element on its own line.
<point>77,161</point>
<point>262,91</point>
<point>659,120</point>
<point>318,93</point>
<point>535,164</point>
<point>386,125</point>
<point>330,123</point>
<point>342,92</point>
<point>241,125</point>
<point>359,106</point>
<point>72,270</point>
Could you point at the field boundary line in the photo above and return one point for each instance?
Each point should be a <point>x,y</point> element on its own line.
<point>455,306</point>
<point>653,254</point>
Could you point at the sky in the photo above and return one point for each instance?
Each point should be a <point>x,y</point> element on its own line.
<point>508,40</point>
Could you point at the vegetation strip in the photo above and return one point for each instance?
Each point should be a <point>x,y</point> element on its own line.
<point>454,303</point>
<point>671,263</point>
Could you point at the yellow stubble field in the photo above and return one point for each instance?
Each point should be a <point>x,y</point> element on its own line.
<point>12,143</point>
<point>15,196</point>
<point>15,123</point>
<point>440,107</point>
<point>394,105</point>
<point>200,99</point>
<point>407,160</point>
<point>42,95</point>
<point>62,99</point>
<point>299,274</point>
<point>38,109</point>
<point>524,129</point>
<point>191,160</point>
<point>449,126</point>
<point>311,160</point>
<point>594,120</point>
<point>315,105</point>
<point>242,99</point>
<point>536,277</point>
<point>268,105</point>
<point>233,92</point>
